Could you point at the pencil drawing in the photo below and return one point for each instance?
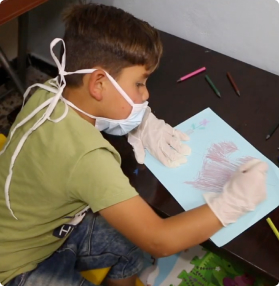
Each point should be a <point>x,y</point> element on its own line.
<point>217,167</point>
<point>199,126</point>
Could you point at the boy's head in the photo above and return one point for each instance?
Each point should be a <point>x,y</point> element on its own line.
<point>107,37</point>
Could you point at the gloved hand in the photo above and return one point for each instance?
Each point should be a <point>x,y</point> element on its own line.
<point>241,194</point>
<point>160,139</point>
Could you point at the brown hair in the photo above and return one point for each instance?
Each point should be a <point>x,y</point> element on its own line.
<point>105,36</point>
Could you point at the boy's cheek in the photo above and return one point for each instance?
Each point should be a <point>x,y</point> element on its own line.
<point>127,111</point>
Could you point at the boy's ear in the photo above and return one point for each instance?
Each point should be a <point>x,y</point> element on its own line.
<point>96,84</point>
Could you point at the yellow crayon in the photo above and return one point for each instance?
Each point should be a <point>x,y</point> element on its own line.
<point>273,227</point>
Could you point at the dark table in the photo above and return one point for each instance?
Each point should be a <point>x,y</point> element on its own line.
<point>252,115</point>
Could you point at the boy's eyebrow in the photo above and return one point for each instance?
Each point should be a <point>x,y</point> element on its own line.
<point>146,75</point>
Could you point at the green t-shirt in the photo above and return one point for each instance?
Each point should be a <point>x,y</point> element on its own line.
<point>61,169</point>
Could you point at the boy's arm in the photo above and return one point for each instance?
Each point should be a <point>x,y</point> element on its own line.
<point>163,237</point>
<point>136,220</point>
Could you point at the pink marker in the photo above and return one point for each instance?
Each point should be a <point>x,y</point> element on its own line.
<point>192,74</point>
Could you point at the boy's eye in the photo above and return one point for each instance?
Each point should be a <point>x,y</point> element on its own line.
<point>139,84</point>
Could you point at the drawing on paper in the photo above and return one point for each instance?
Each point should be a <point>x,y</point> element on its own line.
<point>218,167</point>
<point>200,126</point>
<point>204,164</point>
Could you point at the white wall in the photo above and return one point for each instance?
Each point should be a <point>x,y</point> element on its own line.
<point>247,30</point>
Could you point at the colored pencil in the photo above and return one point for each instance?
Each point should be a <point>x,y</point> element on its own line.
<point>271,132</point>
<point>273,227</point>
<point>233,83</point>
<point>191,74</point>
<point>213,86</point>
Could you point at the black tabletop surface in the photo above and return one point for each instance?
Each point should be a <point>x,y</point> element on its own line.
<point>252,115</point>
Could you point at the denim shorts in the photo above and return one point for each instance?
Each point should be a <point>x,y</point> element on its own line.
<point>92,244</point>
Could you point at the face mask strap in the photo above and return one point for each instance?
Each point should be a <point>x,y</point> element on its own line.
<point>26,119</point>
<point>32,114</point>
<point>16,152</point>
<point>62,116</point>
<point>120,90</point>
<point>51,89</point>
<point>51,103</point>
<point>60,66</point>
<point>112,80</point>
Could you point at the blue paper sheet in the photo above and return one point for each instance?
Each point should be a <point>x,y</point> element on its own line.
<point>214,143</point>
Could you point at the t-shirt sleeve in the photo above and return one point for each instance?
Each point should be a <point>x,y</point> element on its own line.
<point>98,180</point>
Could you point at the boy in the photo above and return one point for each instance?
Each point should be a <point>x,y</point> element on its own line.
<point>56,163</point>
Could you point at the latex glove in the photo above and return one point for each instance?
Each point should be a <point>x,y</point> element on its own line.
<point>160,139</point>
<point>241,194</point>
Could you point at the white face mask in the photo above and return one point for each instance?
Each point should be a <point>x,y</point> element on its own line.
<point>121,126</point>
<point>115,127</point>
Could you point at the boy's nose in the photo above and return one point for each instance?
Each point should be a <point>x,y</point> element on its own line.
<point>145,96</point>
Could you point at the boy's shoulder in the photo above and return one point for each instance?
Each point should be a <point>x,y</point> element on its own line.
<point>72,133</point>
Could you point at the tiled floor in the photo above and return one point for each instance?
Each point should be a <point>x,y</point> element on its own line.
<point>14,99</point>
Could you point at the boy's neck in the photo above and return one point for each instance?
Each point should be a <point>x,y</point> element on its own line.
<point>79,98</point>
